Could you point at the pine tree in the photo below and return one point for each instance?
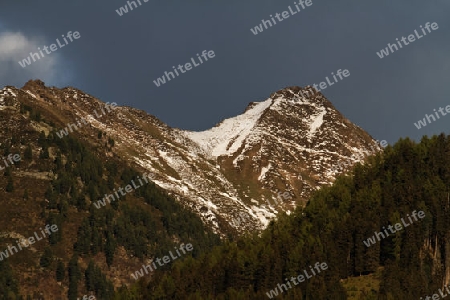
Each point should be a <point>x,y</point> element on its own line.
<point>89,276</point>
<point>28,154</point>
<point>60,271</point>
<point>46,258</point>
<point>74,276</point>
<point>10,185</point>
<point>110,248</point>
<point>111,142</point>
<point>7,149</point>
<point>72,293</point>
<point>44,152</point>
<point>55,237</point>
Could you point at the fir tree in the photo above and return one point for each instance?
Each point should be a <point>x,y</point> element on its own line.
<point>60,271</point>
<point>10,185</point>
<point>46,258</point>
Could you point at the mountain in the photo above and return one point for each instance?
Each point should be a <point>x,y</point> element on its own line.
<point>76,153</point>
<point>58,183</point>
<point>237,175</point>
<point>288,143</point>
<point>379,232</point>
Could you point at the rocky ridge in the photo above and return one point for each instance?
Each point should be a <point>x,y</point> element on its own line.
<point>287,143</point>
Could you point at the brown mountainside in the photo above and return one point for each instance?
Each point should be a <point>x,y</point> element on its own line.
<point>250,167</point>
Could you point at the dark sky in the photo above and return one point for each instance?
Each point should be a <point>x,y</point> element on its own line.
<point>118,57</point>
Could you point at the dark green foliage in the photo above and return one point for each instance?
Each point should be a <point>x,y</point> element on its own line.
<point>74,276</point>
<point>89,275</point>
<point>44,152</point>
<point>58,162</point>
<point>135,229</point>
<point>60,271</point>
<point>82,246</point>
<point>8,285</point>
<point>25,108</point>
<point>150,226</point>
<point>46,258</point>
<point>7,172</point>
<point>42,139</point>
<point>28,153</point>
<point>96,282</point>
<point>332,229</point>
<point>63,207</point>
<point>10,185</point>
<point>15,140</point>
<point>6,148</point>
<point>110,248</point>
<point>73,289</point>
<point>35,116</point>
<point>55,237</point>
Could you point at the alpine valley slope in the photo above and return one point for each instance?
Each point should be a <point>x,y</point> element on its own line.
<point>286,143</point>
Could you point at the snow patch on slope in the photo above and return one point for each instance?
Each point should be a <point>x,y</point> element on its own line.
<point>5,92</point>
<point>228,136</point>
<point>31,94</point>
<point>11,92</point>
<point>317,122</point>
<point>263,172</point>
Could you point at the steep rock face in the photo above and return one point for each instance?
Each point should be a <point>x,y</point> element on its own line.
<point>250,167</point>
<point>287,143</point>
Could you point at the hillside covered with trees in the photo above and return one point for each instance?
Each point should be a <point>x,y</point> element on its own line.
<point>414,261</point>
<point>57,181</point>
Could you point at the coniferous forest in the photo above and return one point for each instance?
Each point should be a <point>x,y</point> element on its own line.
<point>331,228</point>
<point>144,223</point>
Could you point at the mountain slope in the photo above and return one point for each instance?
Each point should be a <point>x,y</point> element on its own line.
<point>407,185</point>
<point>233,174</point>
<point>58,181</point>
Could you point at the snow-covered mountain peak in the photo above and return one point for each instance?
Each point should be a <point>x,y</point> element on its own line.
<point>228,136</point>
<point>287,143</point>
